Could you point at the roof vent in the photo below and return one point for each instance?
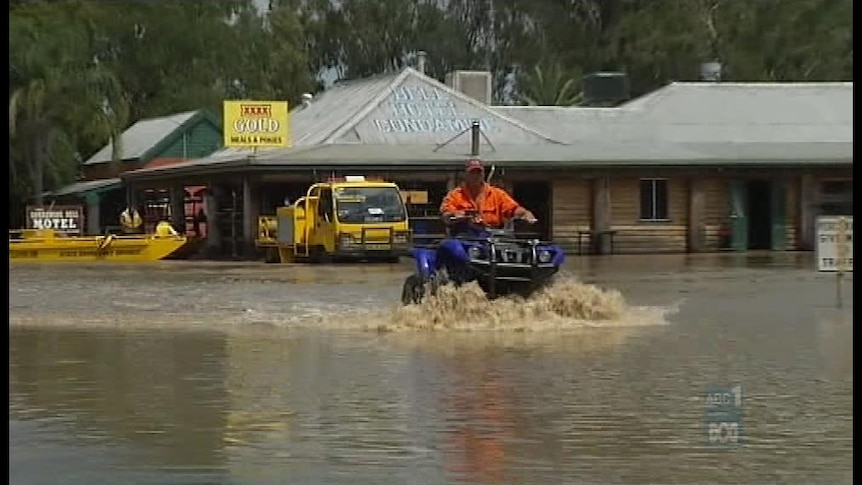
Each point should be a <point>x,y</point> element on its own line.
<point>710,71</point>
<point>476,84</point>
<point>602,89</point>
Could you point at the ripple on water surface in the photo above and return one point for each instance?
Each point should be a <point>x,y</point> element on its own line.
<point>568,304</point>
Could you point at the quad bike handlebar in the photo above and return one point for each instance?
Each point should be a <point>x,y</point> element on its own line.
<point>471,217</point>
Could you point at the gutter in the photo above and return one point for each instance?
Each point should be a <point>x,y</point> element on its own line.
<point>246,165</point>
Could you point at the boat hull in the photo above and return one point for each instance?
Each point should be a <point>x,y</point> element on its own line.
<point>137,248</point>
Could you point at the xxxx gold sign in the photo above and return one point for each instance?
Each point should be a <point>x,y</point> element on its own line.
<point>252,124</point>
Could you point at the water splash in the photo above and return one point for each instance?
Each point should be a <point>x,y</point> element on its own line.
<point>568,304</point>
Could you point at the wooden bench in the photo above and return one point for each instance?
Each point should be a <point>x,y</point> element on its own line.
<point>592,237</point>
<point>649,238</point>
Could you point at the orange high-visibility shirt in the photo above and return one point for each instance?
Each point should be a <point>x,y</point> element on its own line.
<point>493,204</point>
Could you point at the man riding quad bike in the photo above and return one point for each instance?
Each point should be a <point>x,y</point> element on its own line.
<point>479,249</point>
<point>492,205</point>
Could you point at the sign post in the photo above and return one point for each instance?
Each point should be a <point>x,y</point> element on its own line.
<point>835,248</point>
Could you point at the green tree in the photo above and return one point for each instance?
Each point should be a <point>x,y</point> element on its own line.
<point>58,95</point>
<point>548,84</point>
<point>82,71</point>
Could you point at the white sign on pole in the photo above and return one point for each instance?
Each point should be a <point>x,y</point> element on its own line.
<point>835,244</point>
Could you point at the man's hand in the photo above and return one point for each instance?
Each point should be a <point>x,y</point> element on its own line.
<point>474,218</point>
<point>525,215</point>
<point>451,215</point>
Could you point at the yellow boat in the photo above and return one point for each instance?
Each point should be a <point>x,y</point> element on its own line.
<point>47,245</point>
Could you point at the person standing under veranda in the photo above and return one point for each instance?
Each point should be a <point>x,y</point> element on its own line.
<point>131,221</point>
<point>491,206</point>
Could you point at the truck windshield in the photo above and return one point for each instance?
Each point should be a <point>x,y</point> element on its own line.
<point>369,204</point>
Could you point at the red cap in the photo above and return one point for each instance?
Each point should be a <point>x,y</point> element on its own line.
<point>473,164</point>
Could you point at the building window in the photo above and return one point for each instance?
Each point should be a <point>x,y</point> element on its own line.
<point>836,197</point>
<point>654,200</point>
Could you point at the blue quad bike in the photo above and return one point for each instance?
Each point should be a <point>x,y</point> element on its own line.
<point>494,258</point>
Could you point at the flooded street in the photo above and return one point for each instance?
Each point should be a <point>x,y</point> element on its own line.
<point>239,373</point>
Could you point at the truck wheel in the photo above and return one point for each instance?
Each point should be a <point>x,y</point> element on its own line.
<point>320,256</point>
<point>413,290</point>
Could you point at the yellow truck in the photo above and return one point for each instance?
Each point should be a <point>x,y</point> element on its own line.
<point>345,218</point>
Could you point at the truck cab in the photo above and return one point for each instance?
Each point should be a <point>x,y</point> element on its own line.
<point>344,218</point>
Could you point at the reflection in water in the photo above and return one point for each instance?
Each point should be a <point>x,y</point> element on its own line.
<point>159,393</point>
<point>834,330</point>
<point>481,425</point>
<point>212,374</point>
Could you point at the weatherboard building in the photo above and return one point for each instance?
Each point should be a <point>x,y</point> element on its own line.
<point>690,167</point>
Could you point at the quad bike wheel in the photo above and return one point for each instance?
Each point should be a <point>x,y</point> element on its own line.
<point>415,286</point>
<point>413,290</point>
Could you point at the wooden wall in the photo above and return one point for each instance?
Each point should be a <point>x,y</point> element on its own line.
<point>717,211</point>
<point>571,206</point>
<point>636,236</point>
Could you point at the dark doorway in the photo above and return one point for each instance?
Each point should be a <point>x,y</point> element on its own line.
<point>424,213</point>
<point>277,195</point>
<point>535,196</point>
<point>759,214</point>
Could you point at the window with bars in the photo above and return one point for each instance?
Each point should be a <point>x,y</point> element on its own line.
<point>654,201</point>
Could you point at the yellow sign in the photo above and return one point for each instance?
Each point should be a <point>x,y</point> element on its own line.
<point>256,124</point>
<point>415,197</point>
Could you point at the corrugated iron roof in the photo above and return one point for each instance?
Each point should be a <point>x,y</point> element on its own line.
<point>576,125</point>
<point>758,123</point>
<point>142,136</point>
<point>367,153</point>
<point>86,186</point>
<point>342,110</point>
<point>596,151</point>
<point>346,110</point>
<point>336,107</point>
<point>709,112</point>
<point>787,103</point>
<point>593,154</point>
<point>312,124</point>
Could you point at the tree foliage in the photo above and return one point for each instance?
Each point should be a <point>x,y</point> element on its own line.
<point>82,71</point>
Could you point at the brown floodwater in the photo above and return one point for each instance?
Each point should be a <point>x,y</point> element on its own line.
<point>186,372</point>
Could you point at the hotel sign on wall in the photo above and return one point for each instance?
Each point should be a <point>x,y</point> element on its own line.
<point>252,124</point>
<point>66,218</point>
<point>426,109</point>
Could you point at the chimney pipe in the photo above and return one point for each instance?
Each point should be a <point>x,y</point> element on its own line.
<point>422,57</point>
<point>475,131</point>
